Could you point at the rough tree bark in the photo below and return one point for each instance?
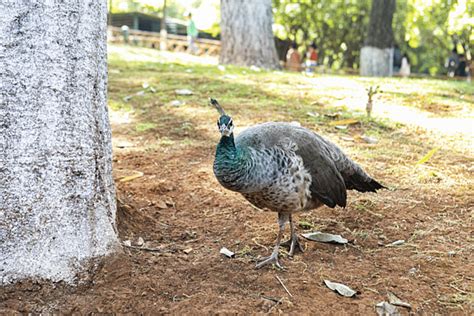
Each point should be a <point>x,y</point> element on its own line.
<point>57,197</point>
<point>377,54</point>
<point>246,34</point>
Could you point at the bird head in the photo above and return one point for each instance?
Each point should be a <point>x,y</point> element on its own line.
<point>224,123</point>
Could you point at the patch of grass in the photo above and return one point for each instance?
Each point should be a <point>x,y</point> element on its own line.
<point>145,126</point>
<point>258,96</point>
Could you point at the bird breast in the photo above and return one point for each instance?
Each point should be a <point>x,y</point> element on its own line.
<point>287,181</point>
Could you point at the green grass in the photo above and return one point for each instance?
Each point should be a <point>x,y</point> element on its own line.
<point>401,121</point>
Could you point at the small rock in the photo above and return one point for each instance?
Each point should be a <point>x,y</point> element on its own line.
<point>161,204</point>
<point>412,271</point>
<point>127,243</point>
<point>140,241</point>
<point>227,252</point>
<point>188,250</point>
<point>176,103</point>
<point>183,92</point>
<point>370,140</point>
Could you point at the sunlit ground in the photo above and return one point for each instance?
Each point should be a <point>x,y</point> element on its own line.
<point>445,107</point>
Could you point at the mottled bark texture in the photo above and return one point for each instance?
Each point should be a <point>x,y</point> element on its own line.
<point>57,197</point>
<point>246,34</point>
<point>376,55</point>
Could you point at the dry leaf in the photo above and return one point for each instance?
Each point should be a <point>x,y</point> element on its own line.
<point>342,289</point>
<point>393,299</point>
<point>136,174</point>
<point>324,237</point>
<point>343,122</point>
<point>386,309</point>
<point>427,156</point>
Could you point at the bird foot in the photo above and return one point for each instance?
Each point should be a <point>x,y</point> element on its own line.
<point>293,243</point>
<point>273,259</point>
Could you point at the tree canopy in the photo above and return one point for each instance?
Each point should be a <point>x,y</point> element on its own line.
<point>425,30</point>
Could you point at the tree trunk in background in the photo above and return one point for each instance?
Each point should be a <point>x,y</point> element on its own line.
<point>246,34</point>
<point>376,55</point>
<point>57,196</point>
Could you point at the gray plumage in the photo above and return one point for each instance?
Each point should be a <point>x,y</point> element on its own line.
<point>286,169</point>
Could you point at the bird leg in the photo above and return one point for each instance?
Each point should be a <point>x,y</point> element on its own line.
<point>273,258</point>
<point>293,242</point>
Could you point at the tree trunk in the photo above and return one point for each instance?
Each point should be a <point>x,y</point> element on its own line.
<point>246,34</point>
<point>376,55</point>
<point>57,197</point>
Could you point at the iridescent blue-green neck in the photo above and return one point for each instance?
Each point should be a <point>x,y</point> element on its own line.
<point>226,150</point>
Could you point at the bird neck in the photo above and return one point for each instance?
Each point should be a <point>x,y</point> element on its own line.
<point>226,150</point>
<point>232,164</point>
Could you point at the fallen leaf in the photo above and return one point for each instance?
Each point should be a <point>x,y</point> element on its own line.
<point>396,243</point>
<point>394,300</point>
<point>342,289</point>
<point>427,156</point>
<point>135,175</point>
<point>183,92</point>
<point>324,237</point>
<point>343,122</point>
<point>386,309</point>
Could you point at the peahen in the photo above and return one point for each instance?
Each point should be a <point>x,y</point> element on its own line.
<point>286,169</point>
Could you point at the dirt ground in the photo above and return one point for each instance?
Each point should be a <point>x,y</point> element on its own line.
<point>184,217</point>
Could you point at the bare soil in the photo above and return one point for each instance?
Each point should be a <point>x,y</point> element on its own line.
<point>184,217</point>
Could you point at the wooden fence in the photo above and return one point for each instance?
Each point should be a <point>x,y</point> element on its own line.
<point>175,43</point>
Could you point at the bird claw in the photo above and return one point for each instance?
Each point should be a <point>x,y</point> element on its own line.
<point>293,244</point>
<point>273,259</point>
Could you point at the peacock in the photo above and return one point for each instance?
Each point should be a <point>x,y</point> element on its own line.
<point>285,168</point>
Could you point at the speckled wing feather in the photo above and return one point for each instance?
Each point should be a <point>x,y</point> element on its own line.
<point>328,185</point>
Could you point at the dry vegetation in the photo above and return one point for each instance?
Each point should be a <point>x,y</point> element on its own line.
<point>185,217</point>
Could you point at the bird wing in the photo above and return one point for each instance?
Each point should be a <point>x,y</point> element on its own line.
<point>327,185</point>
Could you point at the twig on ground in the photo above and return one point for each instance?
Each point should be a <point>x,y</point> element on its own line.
<point>143,248</point>
<point>281,282</point>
